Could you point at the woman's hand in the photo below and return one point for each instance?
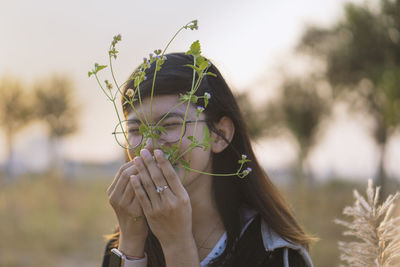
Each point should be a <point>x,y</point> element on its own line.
<point>132,224</point>
<point>169,212</point>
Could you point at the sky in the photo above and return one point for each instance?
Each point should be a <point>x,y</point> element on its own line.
<point>249,41</point>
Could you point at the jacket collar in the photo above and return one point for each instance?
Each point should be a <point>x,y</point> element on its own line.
<point>273,241</point>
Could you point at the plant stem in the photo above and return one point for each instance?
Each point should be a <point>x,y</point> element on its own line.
<point>112,73</point>
<point>154,77</point>
<point>191,148</point>
<point>212,174</point>
<point>166,114</point>
<point>120,122</point>
<point>104,91</point>
<point>184,124</point>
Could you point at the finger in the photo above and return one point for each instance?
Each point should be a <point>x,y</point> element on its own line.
<point>127,196</point>
<point>118,175</point>
<point>155,172</point>
<point>141,194</point>
<point>147,182</point>
<point>122,182</point>
<point>169,173</point>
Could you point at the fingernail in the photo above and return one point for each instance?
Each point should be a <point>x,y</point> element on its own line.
<point>158,153</point>
<point>145,153</point>
<point>137,161</point>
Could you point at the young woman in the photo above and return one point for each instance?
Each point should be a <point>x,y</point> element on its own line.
<point>202,220</point>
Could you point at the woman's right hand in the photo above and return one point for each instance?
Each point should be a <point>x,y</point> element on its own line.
<point>132,224</point>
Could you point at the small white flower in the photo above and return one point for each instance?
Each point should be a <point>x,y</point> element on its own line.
<point>200,109</point>
<point>207,95</point>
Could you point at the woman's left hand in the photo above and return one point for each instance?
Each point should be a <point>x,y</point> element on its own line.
<point>168,212</point>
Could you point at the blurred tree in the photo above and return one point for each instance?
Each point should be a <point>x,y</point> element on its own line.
<point>253,116</point>
<point>361,54</point>
<point>55,106</point>
<point>15,113</point>
<point>300,110</point>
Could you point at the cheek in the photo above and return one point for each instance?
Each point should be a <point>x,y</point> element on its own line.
<point>199,159</point>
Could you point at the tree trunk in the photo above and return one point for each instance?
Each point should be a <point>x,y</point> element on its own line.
<point>56,162</point>
<point>381,179</point>
<point>301,172</point>
<point>381,135</point>
<point>10,155</point>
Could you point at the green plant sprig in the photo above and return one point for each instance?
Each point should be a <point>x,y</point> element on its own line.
<point>191,25</point>
<point>240,172</point>
<point>149,130</point>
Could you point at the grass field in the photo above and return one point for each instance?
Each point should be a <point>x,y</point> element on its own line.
<point>47,221</point>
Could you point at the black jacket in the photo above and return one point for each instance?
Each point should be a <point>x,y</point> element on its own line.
<point>250,251</point>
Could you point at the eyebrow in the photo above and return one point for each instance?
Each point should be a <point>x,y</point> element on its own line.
<point>169,115</point>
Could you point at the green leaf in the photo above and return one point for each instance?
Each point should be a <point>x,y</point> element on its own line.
<point>184,163</point>
<point>199,60</point>
<point>206,138</point>
<point>99,67</point>
<point>184,97</point>
<point>193,139</point>
<point>194,99</point>
<point>206,133</point>
<point>143,129</point>
<point>203,65</point>
<point>171,153</point>
<point>154,136</point>
<point>211,74</point>
<point>160,129</point>
<point>194,49</point>
<point>96,69</point>
<point>193,67</point>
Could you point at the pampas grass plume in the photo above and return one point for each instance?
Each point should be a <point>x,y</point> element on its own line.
<point>376,232</point>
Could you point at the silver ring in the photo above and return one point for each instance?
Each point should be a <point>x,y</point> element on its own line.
<point>161,188</point>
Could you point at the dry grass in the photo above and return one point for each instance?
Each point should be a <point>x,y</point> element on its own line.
<point>316,207</point>
<point>47,221</point>
<point>376,231</point>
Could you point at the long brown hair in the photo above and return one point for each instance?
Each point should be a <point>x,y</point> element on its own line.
<point>231,194</point>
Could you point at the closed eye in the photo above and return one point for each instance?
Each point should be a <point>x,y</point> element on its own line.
<point>172,125</point>
<point>133,131</point>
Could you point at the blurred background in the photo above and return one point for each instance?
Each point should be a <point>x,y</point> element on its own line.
<point>318,82</point>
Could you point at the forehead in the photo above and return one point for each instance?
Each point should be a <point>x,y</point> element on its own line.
<point>161,105</point>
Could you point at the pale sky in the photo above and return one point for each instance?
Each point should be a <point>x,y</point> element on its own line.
<point>248,41</point>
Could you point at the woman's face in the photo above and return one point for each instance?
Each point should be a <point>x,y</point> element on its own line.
<point>199,159</point>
